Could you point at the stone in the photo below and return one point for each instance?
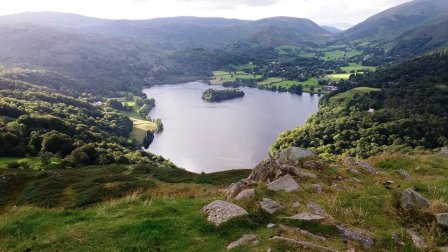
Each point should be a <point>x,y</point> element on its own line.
<point>299,172</point>
<point>271,225</point>
<point>293,155</point>
<point>304,244</point>
<point>353,235</point>
<point>316,209</point>
<point>296,204</point>
<point>404,174</point>
<point>442,219</point>
<point>245,239</point>
<point>317,188</point>
<point>266,171</point>
<point>220,211</point>
<point>444,151</point>
<point>410,199</point>
<point>285,183</point>
<point>235,188</point>
<point>245,194</point>
<point>353,162</point>
<point>418,241</point>
<point>287,229</point>
<point>367,167</point>
<point>306,217</point>
<point>270,206</point>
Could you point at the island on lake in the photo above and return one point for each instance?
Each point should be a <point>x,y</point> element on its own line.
<point>214,95</point>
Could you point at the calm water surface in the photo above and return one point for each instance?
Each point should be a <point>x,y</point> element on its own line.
<point>235,134</point>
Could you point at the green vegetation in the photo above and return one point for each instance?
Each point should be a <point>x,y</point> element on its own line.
<point>213,95</point>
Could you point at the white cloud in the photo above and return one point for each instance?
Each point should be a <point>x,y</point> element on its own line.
<point>327,12</point>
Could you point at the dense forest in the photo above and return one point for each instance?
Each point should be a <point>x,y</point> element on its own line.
<point>400,108</point>
<point>39,121</point>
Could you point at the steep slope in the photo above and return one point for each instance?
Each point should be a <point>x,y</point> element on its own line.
<point>397,20</point>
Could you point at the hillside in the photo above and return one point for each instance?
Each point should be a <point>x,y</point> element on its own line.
<point>389,24</point>
<point>406,111</point>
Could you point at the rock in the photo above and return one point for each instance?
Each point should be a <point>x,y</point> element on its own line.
<point>313,165</point>
<point>299,172</point>
<point>316,209</point>
<point>404,174</point>
<point>317,188</point>
<point>296,204</point>
<point>353,235</point>
<point>235,188</point>
<point>353,162</point>
<point>444,151</point>
<point>245,239</point>
<point>306,217</point>
<point>367,167</point>
<point>442,219</point>
<point>245,194</point>
<point>265,171</point>
<point>270,206</point>
<point>418,241</point>
<point>271,225</point>
<point>293,155</point>
<point>410,199</point>
<point>286,183</point>
<point>304,244</point>
<point>220,211</point>
<point>304,232</point>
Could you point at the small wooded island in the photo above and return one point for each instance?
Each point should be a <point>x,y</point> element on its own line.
<point>214,95</point>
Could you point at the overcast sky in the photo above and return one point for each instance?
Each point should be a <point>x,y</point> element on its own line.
<point>324,12</point>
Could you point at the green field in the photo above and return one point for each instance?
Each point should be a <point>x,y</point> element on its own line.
<point>349,94</point>
<point>357,67</point>
<point>339,54</point>
<point>337,77</point>
<point>220,77</point>
<point>243,67</point>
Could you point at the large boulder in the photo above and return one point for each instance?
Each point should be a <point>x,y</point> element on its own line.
<point>235,188</point>
<point>442,219</point>
<point>245,239</point>
<point>265,171</point>
<point>285,183</point>
<point>219,212</point>
<point>270,206</point>
<point>293,156</point>
<point>245,194</point>
<point>410,199</point>
<point>354,235</point>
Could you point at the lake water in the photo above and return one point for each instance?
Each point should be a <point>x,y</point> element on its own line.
<point>235,134</point>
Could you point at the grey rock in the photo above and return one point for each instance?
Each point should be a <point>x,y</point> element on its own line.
<point>245,239</point>
<point>266,171</point>
<point>418,241</point>
<point>304,244</point>
<point>367,167</point>
<point>317,188</point>
<point>235,188</point>
<point>219,211</point>
<point>444,151</point>
<point>299,172</point>
<point>271,225</point>
<point>285,183</point>
<point>296,204</point>
<point>306,217</point>
<point>304,232</point>
<point>442,219</point>
<point>316,209</point>
<point>410,199</point>
<point>245,194</point>
<point>270,206</point>
<point>293,155</point>
<point>353,235</point>
<point>404,174</point>
<point>313,165</point>
<point>353,163</point>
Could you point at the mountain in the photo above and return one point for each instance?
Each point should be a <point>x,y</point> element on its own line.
<point>331,29</point>
<point>389,24</point>
<point>189,32</point>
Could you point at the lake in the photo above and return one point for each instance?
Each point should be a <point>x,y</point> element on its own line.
<point>235,134</point>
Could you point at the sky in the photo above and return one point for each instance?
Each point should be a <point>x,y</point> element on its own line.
<point>339,13</point>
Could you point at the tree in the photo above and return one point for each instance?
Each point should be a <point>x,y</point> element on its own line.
<point>45,158</point>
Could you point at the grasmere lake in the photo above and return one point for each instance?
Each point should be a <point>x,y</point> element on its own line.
<point>235,134</point>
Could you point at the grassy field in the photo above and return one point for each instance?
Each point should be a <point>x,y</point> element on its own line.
<point>220,77</point>
<point>243,67</point>
<point>357,67</point>
<point>339,54</point>
<point>337,77</point>
<point>33,161</point>
<point>140,127</point>
<point>349,94</point>
<point>149,215</point>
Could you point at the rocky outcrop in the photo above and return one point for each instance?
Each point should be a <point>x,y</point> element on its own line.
<point>418,241</point>
<point>245,239</point>
<point>293,156</point>
<point>410,199</point>
<point>270,206</point>
<point>442,219</point>
<point>304,244</point>
<point>316,209</point>
<point>219,212</point>
<point>235,188</point>
<point>265,171</point>
<point>245,194</point>
<point>285,183</point>
<point>353,235</point>
<point>306,217</point>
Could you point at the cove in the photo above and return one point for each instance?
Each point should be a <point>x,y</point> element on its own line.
<point>235,134</point>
